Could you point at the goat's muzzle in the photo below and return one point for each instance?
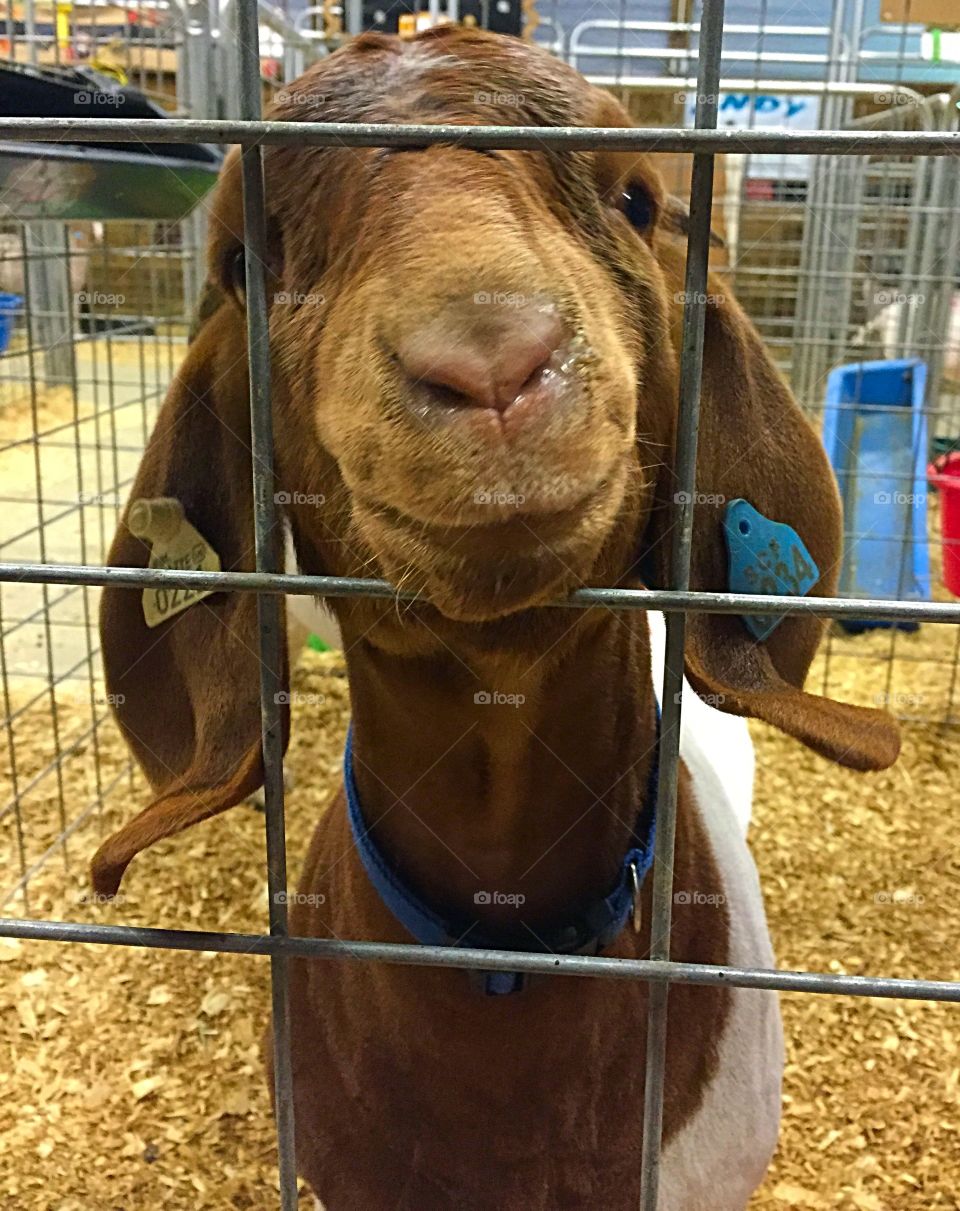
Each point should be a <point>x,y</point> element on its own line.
<point>515,360</point>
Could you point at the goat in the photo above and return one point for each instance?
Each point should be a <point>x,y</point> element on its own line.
<point>475,369</point>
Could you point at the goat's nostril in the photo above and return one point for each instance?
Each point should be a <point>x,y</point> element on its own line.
<point>483,367</point>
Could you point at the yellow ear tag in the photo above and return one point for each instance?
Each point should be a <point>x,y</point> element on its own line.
<point>174,544</point>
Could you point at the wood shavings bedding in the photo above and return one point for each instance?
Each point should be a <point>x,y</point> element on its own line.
<point>133,1078</point>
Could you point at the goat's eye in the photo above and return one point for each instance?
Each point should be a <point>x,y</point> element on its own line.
<point>637,205</point>
<point>237,274</point>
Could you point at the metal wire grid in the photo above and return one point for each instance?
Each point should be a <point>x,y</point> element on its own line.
<point>99,341</point>
<point>659,971</point>
<point>890,225</point>
<point>107,309</point>
<point>100,394</point>
<point>805,234</point>
<point>207,82</point>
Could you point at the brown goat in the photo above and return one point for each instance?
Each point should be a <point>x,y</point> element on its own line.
<point>475,369</point>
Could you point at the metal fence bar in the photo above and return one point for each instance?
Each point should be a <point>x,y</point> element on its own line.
<point>682,515</point>
<point>267,534</point>
<point>534,962</point>
<point>667,600</point>
<point>746,84</point>
<point>530,138</point>
<point>267,582</point>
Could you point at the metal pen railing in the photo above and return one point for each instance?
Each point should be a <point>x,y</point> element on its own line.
<point>658,971</point>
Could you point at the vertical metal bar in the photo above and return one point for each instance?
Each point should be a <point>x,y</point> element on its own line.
<point>268,605</point>
<point>30,29</point>
<point>691,364</point>
<point>51,307</point>
<point>229,49</point>
<point>89,629</point>
<point>195,99</point>
<point>12,755</point>
<point>353,13</point>
<point>818,239</point>
<point>28,284</point>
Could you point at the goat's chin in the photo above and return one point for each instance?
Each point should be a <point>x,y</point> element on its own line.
<point>483,573</point>
<point>512,590</point>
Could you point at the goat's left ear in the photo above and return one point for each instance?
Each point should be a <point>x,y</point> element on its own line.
<point>185,690</point>
<point>755,443</point>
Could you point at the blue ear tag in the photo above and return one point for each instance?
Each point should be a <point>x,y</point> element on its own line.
<point>765,556</point>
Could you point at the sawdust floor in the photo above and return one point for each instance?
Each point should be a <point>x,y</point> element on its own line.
<point>132,1078</point>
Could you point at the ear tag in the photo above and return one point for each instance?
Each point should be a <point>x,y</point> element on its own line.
<point>765,556</point>
<point>174,544</point>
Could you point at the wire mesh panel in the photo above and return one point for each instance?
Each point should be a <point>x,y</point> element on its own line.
<point>878,275</point>
<point>80,384</point>
<point>837,261</point>
<point>96,326</point>
<point>893,196</point>
<point>97,313</point>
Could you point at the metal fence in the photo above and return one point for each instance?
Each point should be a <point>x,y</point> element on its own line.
<point>108,305</point>
<point>847,166</point>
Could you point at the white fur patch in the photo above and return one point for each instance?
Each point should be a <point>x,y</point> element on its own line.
<point>721,1155</point>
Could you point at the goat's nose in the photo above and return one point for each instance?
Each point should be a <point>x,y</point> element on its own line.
<point>488,364</point>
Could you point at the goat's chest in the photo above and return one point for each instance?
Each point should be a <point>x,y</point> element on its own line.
<point>531,1102</point>
<point>415,1091</point>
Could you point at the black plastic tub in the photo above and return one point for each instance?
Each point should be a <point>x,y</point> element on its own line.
<point>106,181</point>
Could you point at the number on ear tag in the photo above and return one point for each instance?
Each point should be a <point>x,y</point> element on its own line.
<point>174,543</point>
<point>765,556</point>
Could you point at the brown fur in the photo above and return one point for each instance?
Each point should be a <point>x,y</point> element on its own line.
<point>529,1101</point>
<point>413,1090</point>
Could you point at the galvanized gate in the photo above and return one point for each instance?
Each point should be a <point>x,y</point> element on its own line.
<point>846,160</point>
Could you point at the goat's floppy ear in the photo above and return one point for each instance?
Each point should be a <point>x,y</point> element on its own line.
<point>186,691</point>
<point>676,218</point>
<point>755,443</point>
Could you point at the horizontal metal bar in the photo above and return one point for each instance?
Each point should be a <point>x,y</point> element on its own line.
<point>694,27</point>
<point>535,138</point>
<point>627,54</point>
<point>483,960</point>
<point>350,586</point>
<point>731,84</point>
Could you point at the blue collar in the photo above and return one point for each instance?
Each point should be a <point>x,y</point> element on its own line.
<point>590,933</point>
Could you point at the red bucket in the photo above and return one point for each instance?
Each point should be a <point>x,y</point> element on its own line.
<point>944,474</point>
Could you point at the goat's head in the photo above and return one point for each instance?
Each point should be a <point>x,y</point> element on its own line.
<point>466,330</point>
<point>475,371</point>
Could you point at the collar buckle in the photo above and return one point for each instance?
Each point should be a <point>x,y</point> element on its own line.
<point>636,911</point>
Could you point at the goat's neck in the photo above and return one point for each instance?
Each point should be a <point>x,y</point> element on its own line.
<point>533,793</point>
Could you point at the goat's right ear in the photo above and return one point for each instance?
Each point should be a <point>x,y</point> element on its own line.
<point>186,693</point>
<point>675,218</point>
<point>755,444</point>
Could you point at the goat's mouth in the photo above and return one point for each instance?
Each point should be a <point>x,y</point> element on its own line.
<point>482,571</point>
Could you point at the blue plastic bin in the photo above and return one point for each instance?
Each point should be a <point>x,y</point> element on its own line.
<point>10,304</point>
<point>875,433</point>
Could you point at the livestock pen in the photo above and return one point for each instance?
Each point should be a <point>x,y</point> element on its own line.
<point>840,232</point>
